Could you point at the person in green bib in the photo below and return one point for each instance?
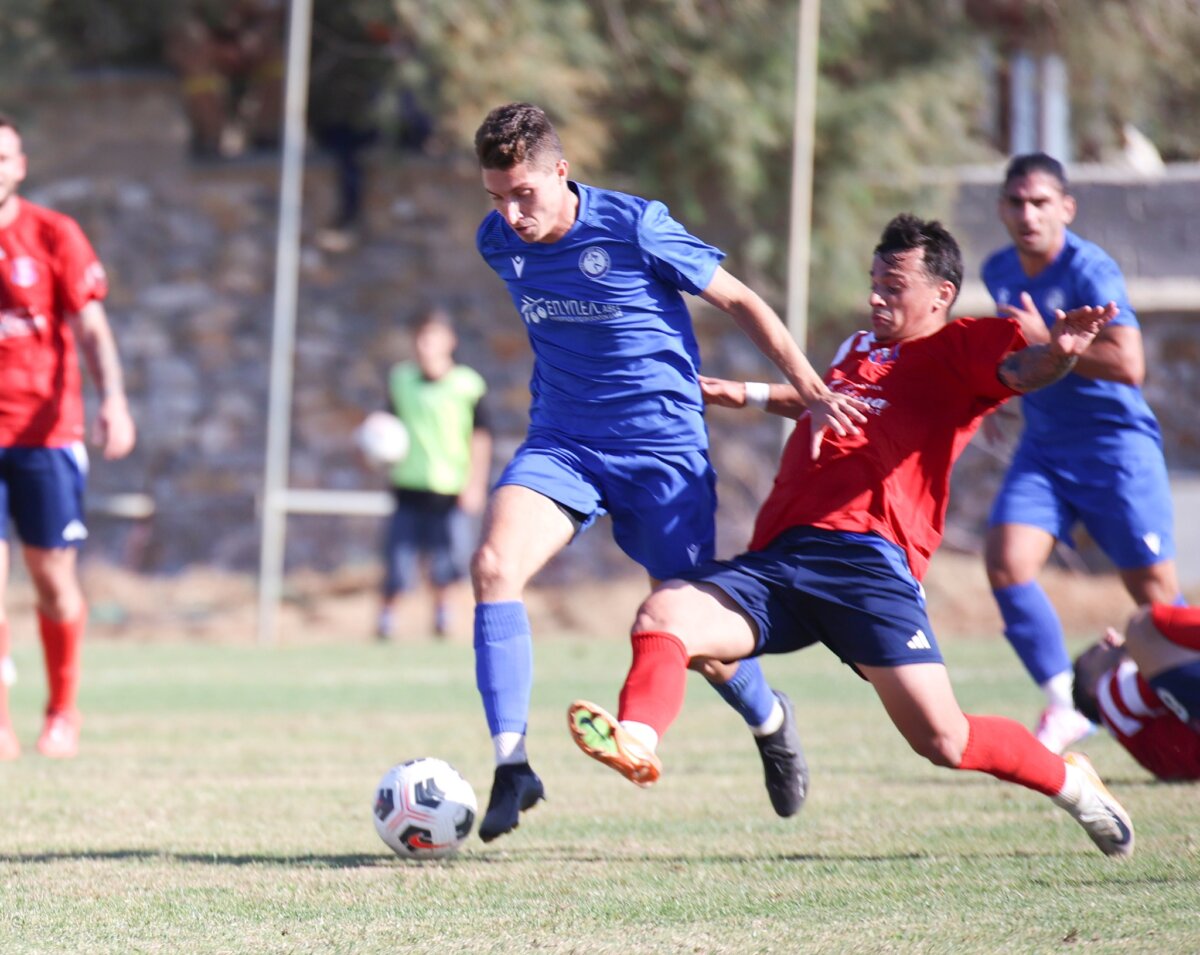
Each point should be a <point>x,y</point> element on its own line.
<point>443,478</point>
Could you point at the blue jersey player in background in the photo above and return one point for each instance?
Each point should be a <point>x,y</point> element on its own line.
<point>1091,451</point>
<point>616,424</point>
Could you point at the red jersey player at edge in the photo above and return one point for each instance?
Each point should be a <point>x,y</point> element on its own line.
<point>51,286</point>
<point>843,540</point>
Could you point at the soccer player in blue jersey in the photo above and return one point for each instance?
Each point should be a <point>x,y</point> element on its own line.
<point>1091,451</point>
<point>616,424</point>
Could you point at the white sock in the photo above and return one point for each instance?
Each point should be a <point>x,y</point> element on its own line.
<point>509,748</point>
<point>1059,689</point>
<point>643,733</point>
<point>773,722</point>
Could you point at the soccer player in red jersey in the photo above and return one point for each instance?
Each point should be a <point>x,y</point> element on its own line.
<point>1144,686</point>
<point>847,532</point>
<point>51,287</point>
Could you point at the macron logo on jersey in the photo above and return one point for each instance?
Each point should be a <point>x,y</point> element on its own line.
<point>919,641</point>
<point>518,262</point>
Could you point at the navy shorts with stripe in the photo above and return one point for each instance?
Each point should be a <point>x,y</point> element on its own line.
<point>852,592</point>
<point>662,503</point>
<point>41,489</point>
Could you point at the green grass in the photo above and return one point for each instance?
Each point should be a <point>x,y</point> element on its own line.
<point>222,805</point>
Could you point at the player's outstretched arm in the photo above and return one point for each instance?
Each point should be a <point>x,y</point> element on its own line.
<point>780,399</point>
<point>830,410</point>
<point>1037,366</point>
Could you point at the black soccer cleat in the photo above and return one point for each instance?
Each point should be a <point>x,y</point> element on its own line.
<point>515,788</point>
<point>784,767</point>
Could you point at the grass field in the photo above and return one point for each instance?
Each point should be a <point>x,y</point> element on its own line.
<point>222,804</point>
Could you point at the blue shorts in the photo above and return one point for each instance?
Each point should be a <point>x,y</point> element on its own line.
<point>1179,689</point>
<point>1122,498</point>
<point>662,504</point>
<point>852,592</point>
<point>42,490</point>
<point>426,525</point>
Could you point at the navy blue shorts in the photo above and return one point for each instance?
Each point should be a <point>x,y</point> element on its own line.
<point>662,504</point>
<point>426,525</point>
<point>852,592</point>
<point>41,489</point>
<point>1179,689</point>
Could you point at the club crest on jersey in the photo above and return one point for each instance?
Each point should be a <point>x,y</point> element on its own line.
<point>884,354</point>
<point>24,271</point>
<point>1056,298</point>
<point>594,262</point>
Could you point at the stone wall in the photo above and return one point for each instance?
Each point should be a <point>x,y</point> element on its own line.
<point>190,252</point>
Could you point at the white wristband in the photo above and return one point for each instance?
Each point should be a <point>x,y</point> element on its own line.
<point>758,393</point>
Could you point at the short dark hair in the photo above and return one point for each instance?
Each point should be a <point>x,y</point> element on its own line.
<point>432,315</point>
<point>516,133</point>
<point>942,259</point>
<point>1028,163</point>
<point>7,122</point>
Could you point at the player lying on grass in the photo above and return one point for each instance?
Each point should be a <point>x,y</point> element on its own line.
<point>842,541</point>
<point>1144,685</point>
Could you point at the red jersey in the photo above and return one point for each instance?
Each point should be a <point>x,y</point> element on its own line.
<point>926,397</point>
<point>1153,735</point>
<point>48,272</point>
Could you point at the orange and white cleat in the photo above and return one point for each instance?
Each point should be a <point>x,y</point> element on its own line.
<point>10,748</point>
<point>598,734</point>
<point>1102,817</point>
<point>60,735</point>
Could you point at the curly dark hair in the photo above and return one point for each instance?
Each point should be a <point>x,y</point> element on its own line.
<point>943,258</point>
<point>516,133</point>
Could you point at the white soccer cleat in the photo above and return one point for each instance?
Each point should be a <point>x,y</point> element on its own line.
<point>1102,817</point>
<point>1062,726</point>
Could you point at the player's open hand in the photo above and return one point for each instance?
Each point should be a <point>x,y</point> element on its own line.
<point>1073,331</point>
<point>1033,327</point>
<point>113,430</point>
<point>836,412</point>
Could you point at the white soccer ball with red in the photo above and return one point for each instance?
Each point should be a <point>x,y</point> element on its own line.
<point>383,439</point>
<point>424,809</point>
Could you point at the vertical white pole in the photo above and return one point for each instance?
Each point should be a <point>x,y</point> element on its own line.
<point>803,142</point>
<point>283,324</point>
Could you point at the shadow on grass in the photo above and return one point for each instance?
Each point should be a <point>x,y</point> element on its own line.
<point>354,860</point>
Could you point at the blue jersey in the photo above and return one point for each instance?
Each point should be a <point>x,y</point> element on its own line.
<point>1076,411</point>
<point>616,363</point>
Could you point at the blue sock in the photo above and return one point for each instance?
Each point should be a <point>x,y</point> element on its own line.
<point>504,664</point>
<point>1034,630</point>
<point>748,693</point>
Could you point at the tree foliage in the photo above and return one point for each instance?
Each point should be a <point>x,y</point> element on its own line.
<point>691,100</point>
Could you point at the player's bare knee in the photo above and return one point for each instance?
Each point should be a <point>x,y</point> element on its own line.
<point>655,613</point>
<point>491,573</point>
<point>1140,633</point>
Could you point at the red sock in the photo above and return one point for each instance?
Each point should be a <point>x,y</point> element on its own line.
<point>1180,625</point>
<point>61,644</point>
<point>1007,750</point>
<point>654,689</point>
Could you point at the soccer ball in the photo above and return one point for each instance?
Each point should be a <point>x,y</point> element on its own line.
<point>424,809</point>
<point>382,438</point>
